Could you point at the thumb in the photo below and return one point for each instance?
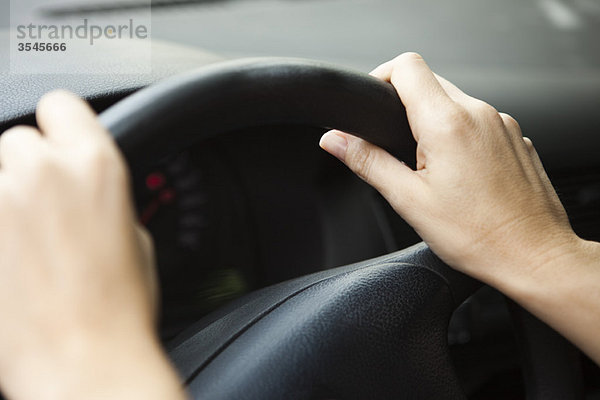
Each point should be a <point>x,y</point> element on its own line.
<point>399,184</point>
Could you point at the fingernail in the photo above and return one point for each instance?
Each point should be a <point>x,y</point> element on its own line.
<point>335,144</point>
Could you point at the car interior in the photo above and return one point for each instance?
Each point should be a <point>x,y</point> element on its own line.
<point>283,275</point>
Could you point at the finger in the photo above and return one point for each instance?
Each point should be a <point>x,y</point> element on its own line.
<point>414,81</point>
<point>383,71</point>
<point>418,88</point>
<point>19,145</point>
<point>67,119</point>
<point>511,125</point>
<point>390,177</point>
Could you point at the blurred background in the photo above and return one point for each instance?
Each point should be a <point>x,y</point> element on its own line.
<point>503,35</point>
<point>512,36</point>
<point>524,57</point>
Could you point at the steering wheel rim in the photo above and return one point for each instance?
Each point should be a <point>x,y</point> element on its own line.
<point>260,92</point>
<point>257,92</point>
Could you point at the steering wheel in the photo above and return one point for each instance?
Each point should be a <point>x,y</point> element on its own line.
<point>372,330</point>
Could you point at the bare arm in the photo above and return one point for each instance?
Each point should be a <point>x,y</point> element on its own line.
<point>482,201</point>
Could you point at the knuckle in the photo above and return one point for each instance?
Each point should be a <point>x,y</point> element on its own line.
<point>486,115</point>
<point>13,135</point>
<point>528,143</point>
<point>510,122</point>
<point>19,141</point>
<point>9,138</point>
<point>408,58</point>
<point>485,110</point>
<point>48,102</point>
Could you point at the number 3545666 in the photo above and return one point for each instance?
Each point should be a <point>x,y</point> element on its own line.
<point>41,46</point>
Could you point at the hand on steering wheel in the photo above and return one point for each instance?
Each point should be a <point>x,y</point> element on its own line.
<point>78,288</point>
<point>480,198</point>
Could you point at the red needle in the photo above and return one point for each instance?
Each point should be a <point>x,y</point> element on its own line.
<point>165,196</point>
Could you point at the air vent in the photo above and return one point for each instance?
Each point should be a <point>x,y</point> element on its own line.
<point>579,191</point>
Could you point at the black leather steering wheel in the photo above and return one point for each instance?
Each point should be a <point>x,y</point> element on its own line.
<point>373,330</point>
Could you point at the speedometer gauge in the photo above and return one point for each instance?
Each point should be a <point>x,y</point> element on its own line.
<point>194,208</point>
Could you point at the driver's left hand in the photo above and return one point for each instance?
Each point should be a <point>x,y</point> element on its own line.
<point>77,288</point>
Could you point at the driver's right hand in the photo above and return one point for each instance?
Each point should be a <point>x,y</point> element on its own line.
<point>482,201</point>
<point>479,196</point>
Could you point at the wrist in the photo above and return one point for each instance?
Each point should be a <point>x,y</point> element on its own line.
<point>563,292</point>
<point>520,264</point>
<point>554,272</point>
<point>132,367</point>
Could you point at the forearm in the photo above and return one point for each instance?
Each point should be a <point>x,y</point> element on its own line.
<point>564,291</point>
